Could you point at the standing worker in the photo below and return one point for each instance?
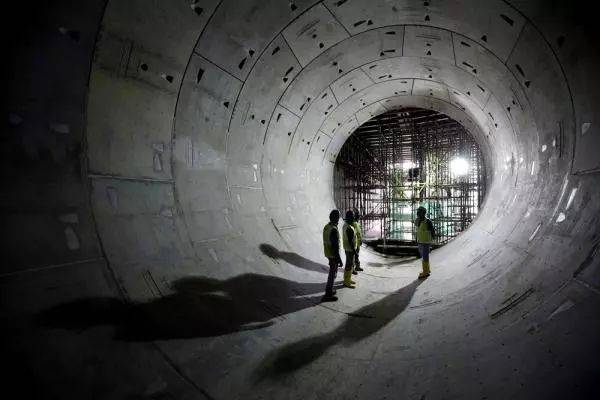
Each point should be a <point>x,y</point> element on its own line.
<point>331,246</point>
<point>425,234</point>
<point>358,231</point>
<point>349,241</point>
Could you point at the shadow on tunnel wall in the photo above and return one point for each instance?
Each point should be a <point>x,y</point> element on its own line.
<point>292,258</point>
<point>198,307</point>
<point>359,325</point>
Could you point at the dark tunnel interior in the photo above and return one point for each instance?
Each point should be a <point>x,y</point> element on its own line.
<point>169,167</point>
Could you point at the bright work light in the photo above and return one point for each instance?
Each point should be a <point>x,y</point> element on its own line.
<point>459,167</point>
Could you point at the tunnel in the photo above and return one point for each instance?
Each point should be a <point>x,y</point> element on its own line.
<point>168,171</point>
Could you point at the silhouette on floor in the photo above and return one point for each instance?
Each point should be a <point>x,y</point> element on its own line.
<point>293,258</point>
<point>358,326</point>
<point>198,307</point>
<point>392,264</point>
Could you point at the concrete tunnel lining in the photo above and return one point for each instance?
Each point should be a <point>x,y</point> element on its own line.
<point>191,169</point>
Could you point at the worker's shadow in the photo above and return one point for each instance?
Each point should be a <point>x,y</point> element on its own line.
<point>198,307</point>
<point>357,326</point>
<point>293,258</point>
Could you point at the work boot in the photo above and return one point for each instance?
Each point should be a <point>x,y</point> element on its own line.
<point>426,271</point>
<point>358,268</point>
<point>347,281</point>
<point>329,297</point>
<point>354,272</point>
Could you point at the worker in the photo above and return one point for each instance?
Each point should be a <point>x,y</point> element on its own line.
<point>425,234</point>
<point>331,246</point>
<point>358,230</point>
<point>349,241</point>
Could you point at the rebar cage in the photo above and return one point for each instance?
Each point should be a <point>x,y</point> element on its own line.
<point>407,158</point>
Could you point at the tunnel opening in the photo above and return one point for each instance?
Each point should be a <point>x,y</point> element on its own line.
<point>401,160</point>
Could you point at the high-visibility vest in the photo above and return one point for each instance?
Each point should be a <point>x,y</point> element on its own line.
<point>358,231</point>
<point>327,247</point>
<point>345,238</point>
<point>423,232</point>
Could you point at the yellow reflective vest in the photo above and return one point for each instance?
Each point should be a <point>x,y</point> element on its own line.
<point>358,231</point>
<point>423,232</point>
<point>345,240</point>
<point>327,247</point>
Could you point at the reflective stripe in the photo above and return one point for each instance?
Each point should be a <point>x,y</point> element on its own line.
<point>327,248</point>
<point>423,233</point>
<point>345,237</point>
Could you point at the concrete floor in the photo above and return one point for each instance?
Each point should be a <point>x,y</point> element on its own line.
<point>168,170</point>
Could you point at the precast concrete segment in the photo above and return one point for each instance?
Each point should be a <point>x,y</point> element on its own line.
<point>211,129</point>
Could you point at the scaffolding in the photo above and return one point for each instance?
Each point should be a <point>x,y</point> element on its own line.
<point>408,158</point>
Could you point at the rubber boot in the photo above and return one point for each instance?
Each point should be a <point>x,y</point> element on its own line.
<point>347,282</point>
<point>426,271</point>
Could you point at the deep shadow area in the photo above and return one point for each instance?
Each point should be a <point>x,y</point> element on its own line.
<point>198,307</point>
<point>359,325</point>
<point>293,258</point>
<point>392,264</point>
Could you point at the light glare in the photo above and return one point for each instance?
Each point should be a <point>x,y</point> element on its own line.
<point>459,167</point>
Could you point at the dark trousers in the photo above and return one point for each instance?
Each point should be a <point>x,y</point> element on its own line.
<point>333,267</point>
<point>356,260</point>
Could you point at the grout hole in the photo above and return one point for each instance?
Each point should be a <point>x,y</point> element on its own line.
<point>226,104</point>
<point>507,19</point>
<point>484,38</point>
<point>293,7</point>
<point>427,18</point>
<point>321,45</point>
<point>241,64</point>
<point>275,50</point>
<point>518,67</point>
<point>144,67</point>
<point>199,75</point>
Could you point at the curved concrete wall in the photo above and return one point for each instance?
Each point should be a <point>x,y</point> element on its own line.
<point>211,130</point>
